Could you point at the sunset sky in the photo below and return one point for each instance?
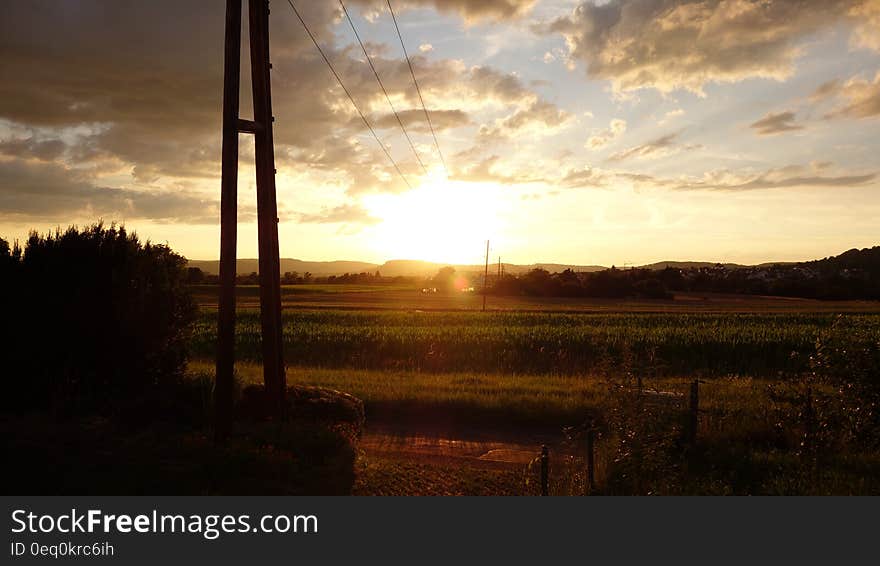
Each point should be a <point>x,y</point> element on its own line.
<point>626,131</point>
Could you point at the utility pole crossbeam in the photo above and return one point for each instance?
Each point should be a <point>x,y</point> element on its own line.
<point>267,213</point>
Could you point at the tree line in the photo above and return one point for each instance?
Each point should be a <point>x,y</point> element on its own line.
<point>853,275</point>
<point>195,276</point>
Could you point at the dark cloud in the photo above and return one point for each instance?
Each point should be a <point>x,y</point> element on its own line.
<point>141,82</point>
<point>49,190</point>
<point>776,124</point>
<point>44,150</point>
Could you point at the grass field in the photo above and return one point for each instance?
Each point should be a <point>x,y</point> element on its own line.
<point>750,442</point>
<point>462,400</point>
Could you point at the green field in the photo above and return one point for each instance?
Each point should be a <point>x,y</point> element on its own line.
<point>758,345</point>
<point>476,399</point>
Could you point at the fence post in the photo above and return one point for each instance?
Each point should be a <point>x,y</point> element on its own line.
<point>591,462</point>
<point>545,470</point>
<point>694,412</point>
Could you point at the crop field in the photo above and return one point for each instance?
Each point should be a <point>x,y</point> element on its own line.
<point>758,345</point>
<point>444,388</point>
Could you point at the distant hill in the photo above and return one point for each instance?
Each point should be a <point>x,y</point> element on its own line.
<point>867,259</point>
<point>408,268</point>
<point>411,267</point>
<point>317,268</point>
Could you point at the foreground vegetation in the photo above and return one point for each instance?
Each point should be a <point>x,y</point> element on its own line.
<point>756,436</point>
<point>788,402</point>
<point>103,370</point>
<point>96,399</point>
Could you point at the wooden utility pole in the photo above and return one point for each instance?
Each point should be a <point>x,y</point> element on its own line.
<point>267,212</point>
<point>486,276</point>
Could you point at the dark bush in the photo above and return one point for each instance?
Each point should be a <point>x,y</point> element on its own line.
<point>94,316</point>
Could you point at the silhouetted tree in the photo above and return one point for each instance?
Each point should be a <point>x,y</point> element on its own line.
<point>195,276</point>
<point>444,281</point>
<point>98,316</point>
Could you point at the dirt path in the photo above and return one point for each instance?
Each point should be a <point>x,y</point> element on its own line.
<point>482,449</point>
<point>398,459</point>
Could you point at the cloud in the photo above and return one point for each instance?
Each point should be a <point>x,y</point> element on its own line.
<point>493,170</point>
<point>476,10</point>
<point>825,90</point>
<point>866,34</point>
<point>44,150</point>
<point>857,97</point>
<point>342,214</point>
<point>426,47</point>
<point>682,44</point>
<point>659,147</point>
<point>671,115</point>
<point>149,108</point>
<point>776,123</point>
<point>777,178</point>
<point>615,129</point>
<point>540,118</point>
<point>414,120</point>
<point>584,177</point>
<point>52,191</point>
<point>471,11</point>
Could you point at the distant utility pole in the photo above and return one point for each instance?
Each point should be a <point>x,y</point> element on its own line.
<point>499,267</point>
<point>267,212</point>
<point>486,276</point>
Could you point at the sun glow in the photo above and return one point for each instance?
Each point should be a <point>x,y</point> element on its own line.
<point>442,221</point>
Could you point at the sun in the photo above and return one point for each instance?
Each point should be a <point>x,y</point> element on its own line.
<point>441,220</point>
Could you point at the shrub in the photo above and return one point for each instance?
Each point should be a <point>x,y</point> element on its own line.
<point>96,316</point>
<point>848,358</point>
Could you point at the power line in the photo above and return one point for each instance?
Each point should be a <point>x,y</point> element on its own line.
<point>382,86</point>
<point>418,90</point>
<point>348,94</point>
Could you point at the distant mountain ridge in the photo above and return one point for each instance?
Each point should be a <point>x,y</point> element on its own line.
<point>867,258</point>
